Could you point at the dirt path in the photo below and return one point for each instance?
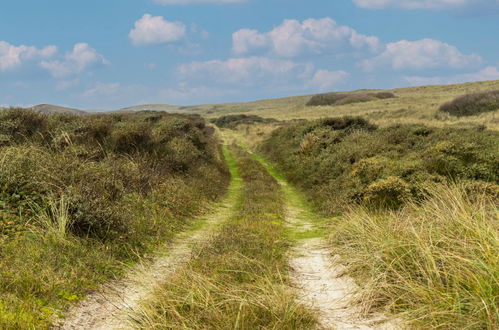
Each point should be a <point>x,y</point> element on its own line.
<point>317,275</point>
<point>109,307</point>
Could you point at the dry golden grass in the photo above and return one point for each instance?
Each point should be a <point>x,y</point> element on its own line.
<point>412,105</point>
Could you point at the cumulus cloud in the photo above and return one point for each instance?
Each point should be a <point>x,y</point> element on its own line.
<point>262,72</point>
<point>421,4</point>
<point>312,36</point>
<point>246,71</point>
<point>188,2</point>
<point>13,56</point>
<point>326,80</point>
<point>76,61</point>
<point>156,30</point>
<point>488,73</point>
<point>419,55</point>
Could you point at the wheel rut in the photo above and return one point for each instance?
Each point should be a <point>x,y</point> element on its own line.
<point>318,275</point>
<point>111,306</point>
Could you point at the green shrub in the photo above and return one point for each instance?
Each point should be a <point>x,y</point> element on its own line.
<point>232,121</point>
<point>347,98</point>
<point>18,125</point>
<point>389,192</point>
<point>472,104</point>
<point>340,161</point>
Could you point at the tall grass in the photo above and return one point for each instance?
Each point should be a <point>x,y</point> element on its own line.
<point>435,263</point>
<point>237,280</point>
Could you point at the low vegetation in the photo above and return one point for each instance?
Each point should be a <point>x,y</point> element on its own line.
<point>434,263</point>
<point>80,196</point>
<point>416,213</point>
<point>232,121</point>
<point>345,161</point>
<point>472,104</point>
<point>238,279</point>
<point>347,98</point>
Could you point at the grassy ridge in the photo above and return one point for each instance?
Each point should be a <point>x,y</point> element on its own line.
<point>418,226</point>
<point>237,281</point>
<point>80,196</point>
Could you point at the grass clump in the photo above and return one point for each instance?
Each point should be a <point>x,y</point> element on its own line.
<point>472,104</point>
<point>335,99</point>
<point>347,160</point>
<point>237,280</point>
<point>232,121</point>
<point>435,264</point>
<point>81,196</point>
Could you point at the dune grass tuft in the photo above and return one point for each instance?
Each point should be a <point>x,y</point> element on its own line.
<point>434,263</point>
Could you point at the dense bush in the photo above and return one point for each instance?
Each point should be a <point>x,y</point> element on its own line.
<point>232,121</point>
<point>472,104</point>
<point>347,98</point>
<point>348,160</point>
<point>97,160</point>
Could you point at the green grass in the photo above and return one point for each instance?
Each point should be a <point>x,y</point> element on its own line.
<point>82,197</point>
<point>237,280</point>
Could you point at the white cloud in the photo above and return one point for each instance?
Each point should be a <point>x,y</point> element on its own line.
<point>78,60</point>
<point>246,71</point>
<point>102,90</point>
<point>156,30</point>
<point>419,4</point>
<point>488,73</point>
<point>262,72</point>
<point>188,2</point>
<point>183,93</point>
<point>13,56</point>
<point>421,54</point>
<point>293,38</point>
<point>326,80</point>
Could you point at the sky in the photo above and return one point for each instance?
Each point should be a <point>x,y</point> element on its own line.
<point>109,54</point>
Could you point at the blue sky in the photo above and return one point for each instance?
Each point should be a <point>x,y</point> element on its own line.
<point>115,53</point>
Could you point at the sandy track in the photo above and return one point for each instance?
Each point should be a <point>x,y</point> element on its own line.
<point>320,279</point>
<point>110,307</point>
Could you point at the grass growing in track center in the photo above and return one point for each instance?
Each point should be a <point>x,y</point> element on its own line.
<point>237,280</point>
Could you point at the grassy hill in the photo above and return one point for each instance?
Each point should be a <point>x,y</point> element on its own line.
<point>412,105</point>
<point>155,107</point>
<point>49,108</point>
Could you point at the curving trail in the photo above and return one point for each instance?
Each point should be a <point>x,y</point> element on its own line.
<point>110,307</point>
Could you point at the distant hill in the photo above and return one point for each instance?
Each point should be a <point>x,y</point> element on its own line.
<point>49,108</point>
<point>155,107</point>
<point>411,105</point>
